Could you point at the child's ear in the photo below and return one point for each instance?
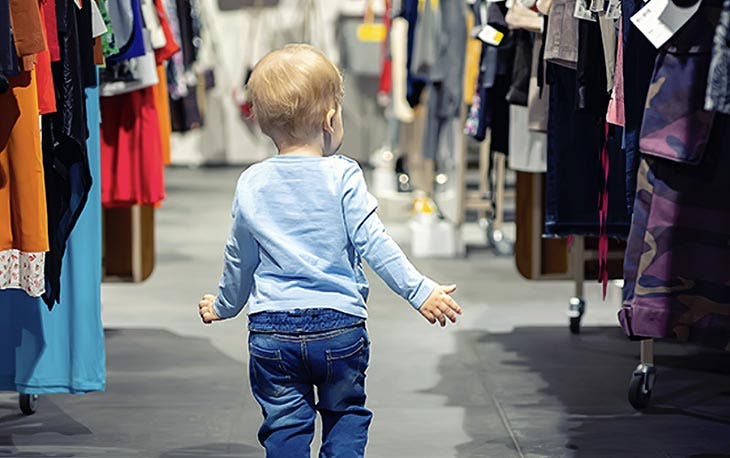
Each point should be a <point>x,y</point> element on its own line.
<point>329,121</point>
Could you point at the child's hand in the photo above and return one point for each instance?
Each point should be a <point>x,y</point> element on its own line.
<point>206,310</point>
<point>440,305</point>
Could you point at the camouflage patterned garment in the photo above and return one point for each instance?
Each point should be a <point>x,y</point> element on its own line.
<point>677,264</point>
<point>675,125</point>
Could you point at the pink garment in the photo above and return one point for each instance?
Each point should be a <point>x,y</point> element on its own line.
<point>616,114</point>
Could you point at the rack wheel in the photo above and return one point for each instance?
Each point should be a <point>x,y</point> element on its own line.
<point>576,310</point>
<point>28,403</point>
<point>641,385</point>
<point>496,239</point>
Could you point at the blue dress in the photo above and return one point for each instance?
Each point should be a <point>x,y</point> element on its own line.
<point>62,351</point>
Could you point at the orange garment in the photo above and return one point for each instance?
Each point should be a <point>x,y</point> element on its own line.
<point>25,19</point>
<point>471,65</point>
<point>46,90</point>
<point>162,103</point>
<point>23,218</point>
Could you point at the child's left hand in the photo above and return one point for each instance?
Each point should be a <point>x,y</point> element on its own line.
<point>206,310</point>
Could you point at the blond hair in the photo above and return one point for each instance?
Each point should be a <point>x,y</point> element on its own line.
<point>292,89</point>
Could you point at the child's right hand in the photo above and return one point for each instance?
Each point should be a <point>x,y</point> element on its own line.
<point>440,305</point>
<point>206,310</point>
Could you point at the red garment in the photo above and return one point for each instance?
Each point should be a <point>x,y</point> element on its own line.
<point>48,8</point>
<point>171,46</point>
<point>44,76</point>
<point>386,82</point>
<point>131,153</point>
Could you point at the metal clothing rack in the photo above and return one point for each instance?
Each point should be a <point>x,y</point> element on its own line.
<point>644,375</point>
<point>488,199</point>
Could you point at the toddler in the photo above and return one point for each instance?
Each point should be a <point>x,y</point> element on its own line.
<point>302,223</point>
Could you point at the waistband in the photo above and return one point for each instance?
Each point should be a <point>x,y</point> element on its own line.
<point>302,321</point>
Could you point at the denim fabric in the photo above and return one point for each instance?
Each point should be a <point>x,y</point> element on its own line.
<point>302,321</point>
<point>574,176</point>
<point>285,369</point>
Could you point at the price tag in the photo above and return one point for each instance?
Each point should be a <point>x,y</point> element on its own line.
<point>491,36</point>
<point>581,12</point>
<point>614,9</point>
<point>659,20</point>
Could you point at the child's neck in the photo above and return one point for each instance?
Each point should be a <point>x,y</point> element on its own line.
<point>301,150</point>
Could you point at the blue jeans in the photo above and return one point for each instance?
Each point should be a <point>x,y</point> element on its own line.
<point>284,370</point>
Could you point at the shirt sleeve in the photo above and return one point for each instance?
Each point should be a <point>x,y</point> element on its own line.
<point>241,257</point>
<point>368,236</point>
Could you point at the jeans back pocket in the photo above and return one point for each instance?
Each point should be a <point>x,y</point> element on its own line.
<point>266,371</point>
<point>348,362</point>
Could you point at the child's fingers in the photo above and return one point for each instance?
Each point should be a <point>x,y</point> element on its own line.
<point>428,315</point>
<point>452,304</point>
<point>445,310</point>
<point>209,297</point>
<point>448,289</point>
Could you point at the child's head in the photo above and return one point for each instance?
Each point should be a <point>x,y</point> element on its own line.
<point>296,94</point>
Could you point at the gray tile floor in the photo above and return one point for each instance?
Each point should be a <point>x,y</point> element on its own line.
<point>508,380</point>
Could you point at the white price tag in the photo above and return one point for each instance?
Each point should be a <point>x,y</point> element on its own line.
<point>581,12</point>
<point>614,9</point>
<point>659,20</point>
<point>491,36</point>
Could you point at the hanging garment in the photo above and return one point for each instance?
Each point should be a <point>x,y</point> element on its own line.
<point>537,103</point>
<point>46,87</point>
<point>574,177</point>
<point>62,351</point>
<point>109,45</point>
<point>521,69</point>
<point>23,219</point>
<point>616,114</point>
<point>718,80</point>
<point>8,58</point>
<point>25,20</point>
<point>561,41</point>
<point>591,93</point>
<point>48,7</point>
<point>675,124</point>
<point>415,85</point>
<point>527,148</point>
<point>131,154</point>
<point>65,158</point>
<point>134,47</point>
<point>638,64</point>
<point>171,46</point>
<point>152,24</point>
<point>123,76</point>
<point>447,76</point>
<point>676,269</point>
<point>121,17</point>
<point>471,62</point>
<point>162,106</point>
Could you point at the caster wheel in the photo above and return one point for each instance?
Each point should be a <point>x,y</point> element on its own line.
<point>28,403</point>
<point>641,385</point>
<point>576,310</point>
<point>499,242</point>
<point>575,325</point>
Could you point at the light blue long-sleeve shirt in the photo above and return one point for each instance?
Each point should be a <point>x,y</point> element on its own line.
<point>301,226</point>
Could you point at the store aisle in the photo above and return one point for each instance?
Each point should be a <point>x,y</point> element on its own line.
<point>509,380</point>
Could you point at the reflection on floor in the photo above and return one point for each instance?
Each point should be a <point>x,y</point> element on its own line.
<point>508,380</point>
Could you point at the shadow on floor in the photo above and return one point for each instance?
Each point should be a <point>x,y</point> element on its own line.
<point>562,395</point>
<point>165,393</point>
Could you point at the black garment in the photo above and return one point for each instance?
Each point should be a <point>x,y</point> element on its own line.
<point>591,90</point>
<point>65,161</point>
<point>574,176</point>
<point>521,68</point>
<point>639,58</point>
<point>185,112</point>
